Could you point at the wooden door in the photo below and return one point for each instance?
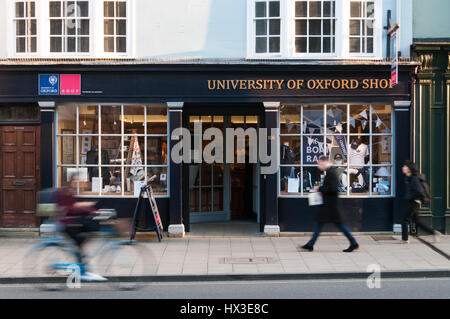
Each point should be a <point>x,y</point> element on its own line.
<point>20,170</point>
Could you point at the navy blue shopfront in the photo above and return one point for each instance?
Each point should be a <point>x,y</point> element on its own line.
<point>356,100</point>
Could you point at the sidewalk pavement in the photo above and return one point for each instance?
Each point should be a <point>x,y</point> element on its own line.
<point>264,255</point>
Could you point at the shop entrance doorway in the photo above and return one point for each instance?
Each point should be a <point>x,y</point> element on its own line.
<point>20,171</point>
<point>224,191</point>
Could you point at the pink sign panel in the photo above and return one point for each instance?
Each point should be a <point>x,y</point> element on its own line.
<point>70,84</point>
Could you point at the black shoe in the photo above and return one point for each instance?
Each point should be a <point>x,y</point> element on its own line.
<point>351,248</point>
<point>307,247</point>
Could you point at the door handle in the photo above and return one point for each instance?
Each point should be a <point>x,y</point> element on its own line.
<point>17,183</point>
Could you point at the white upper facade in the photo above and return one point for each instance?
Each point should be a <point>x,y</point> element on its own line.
<point>202,29</point>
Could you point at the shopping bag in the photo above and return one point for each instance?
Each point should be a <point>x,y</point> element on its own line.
<point>315,199</point>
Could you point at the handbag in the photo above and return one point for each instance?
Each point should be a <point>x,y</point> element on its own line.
<point>315,199</point>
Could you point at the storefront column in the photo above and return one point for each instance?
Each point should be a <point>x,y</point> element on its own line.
<point>176,226</point>
<point>47,144</point>
<point>447,209</point>
<point>430,136</point>
<point>270,202</point>
<point>402,133</point>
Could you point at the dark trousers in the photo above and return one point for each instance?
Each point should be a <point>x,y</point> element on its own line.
<point>411,213</point>
<point>344,229</point>
<point>78,233</point>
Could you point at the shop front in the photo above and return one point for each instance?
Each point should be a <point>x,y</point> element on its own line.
<point>114,125</point>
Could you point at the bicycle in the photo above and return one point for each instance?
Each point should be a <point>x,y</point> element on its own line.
<point>54,259</point>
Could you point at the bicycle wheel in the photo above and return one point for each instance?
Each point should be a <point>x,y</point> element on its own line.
<point>124,264</point>
<point>50,266</point>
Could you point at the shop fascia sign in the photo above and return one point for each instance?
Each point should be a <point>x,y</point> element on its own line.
<point>299,84</point>
<point>59,84</point>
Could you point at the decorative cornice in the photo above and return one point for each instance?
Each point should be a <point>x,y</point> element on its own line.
<point>426,61</point>
<point>47,104</point>
<point>448,63</point>
<point>272,105</point>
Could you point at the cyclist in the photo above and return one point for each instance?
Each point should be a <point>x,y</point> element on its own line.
<point>76,217</point>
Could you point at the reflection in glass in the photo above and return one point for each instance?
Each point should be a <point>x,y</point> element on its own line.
<point>359,119</point>
<point>381,149</point>
<point>88,119</point>
<point>133,119</point>
<point>111,123</point>
<point>381,119</point>
<point>313,119</point>
<point>156,119</point>
<point>67,119</point>
<point>336,119</point>
<point>290,119</point>
<point>156,150</point>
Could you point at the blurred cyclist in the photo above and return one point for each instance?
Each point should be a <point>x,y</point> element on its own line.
<point>76,218</point>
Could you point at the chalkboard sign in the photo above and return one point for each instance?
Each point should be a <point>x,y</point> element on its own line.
<point>147,191</point>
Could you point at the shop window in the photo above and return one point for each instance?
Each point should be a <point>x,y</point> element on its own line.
<point>113,148</point>
<point>69,26</point>
<point>115,26</point>
<point>25,26</point>
<point>357,138</point>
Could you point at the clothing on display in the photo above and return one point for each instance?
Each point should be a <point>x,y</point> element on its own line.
<point>358,153</point>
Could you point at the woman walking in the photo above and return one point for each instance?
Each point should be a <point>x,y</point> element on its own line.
<point>414,196</point>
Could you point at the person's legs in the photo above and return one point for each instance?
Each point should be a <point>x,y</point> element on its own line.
<point>407,215</point>
<point>75,233</point>
<point>346,231</point>
<point>421,224</point>
<point>317,230</point>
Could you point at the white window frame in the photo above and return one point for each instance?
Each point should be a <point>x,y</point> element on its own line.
<point>377,31</point>
<point>96,34</point>
<point>251,34</point>
<point>64,36</point>
<point>115,18</point>
<point>27,19</point>
<point>342,37</point>
<point>371,134</point>
<point>99,135</point>
<point>291,17</point>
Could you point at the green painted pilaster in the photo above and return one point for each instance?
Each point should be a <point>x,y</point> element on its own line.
<point>432,124</point>
<point>447,206</point>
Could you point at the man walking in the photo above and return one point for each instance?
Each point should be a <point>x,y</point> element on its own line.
<point>414,196</point>
<point>330,211</point>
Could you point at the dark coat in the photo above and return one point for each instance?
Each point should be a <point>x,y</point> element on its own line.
<point>331,210</point>
<point>414,190</point>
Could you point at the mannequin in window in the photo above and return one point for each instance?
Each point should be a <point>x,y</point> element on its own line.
<point>287,157</point>
<point>358,154</point>
<point>92,158</point>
